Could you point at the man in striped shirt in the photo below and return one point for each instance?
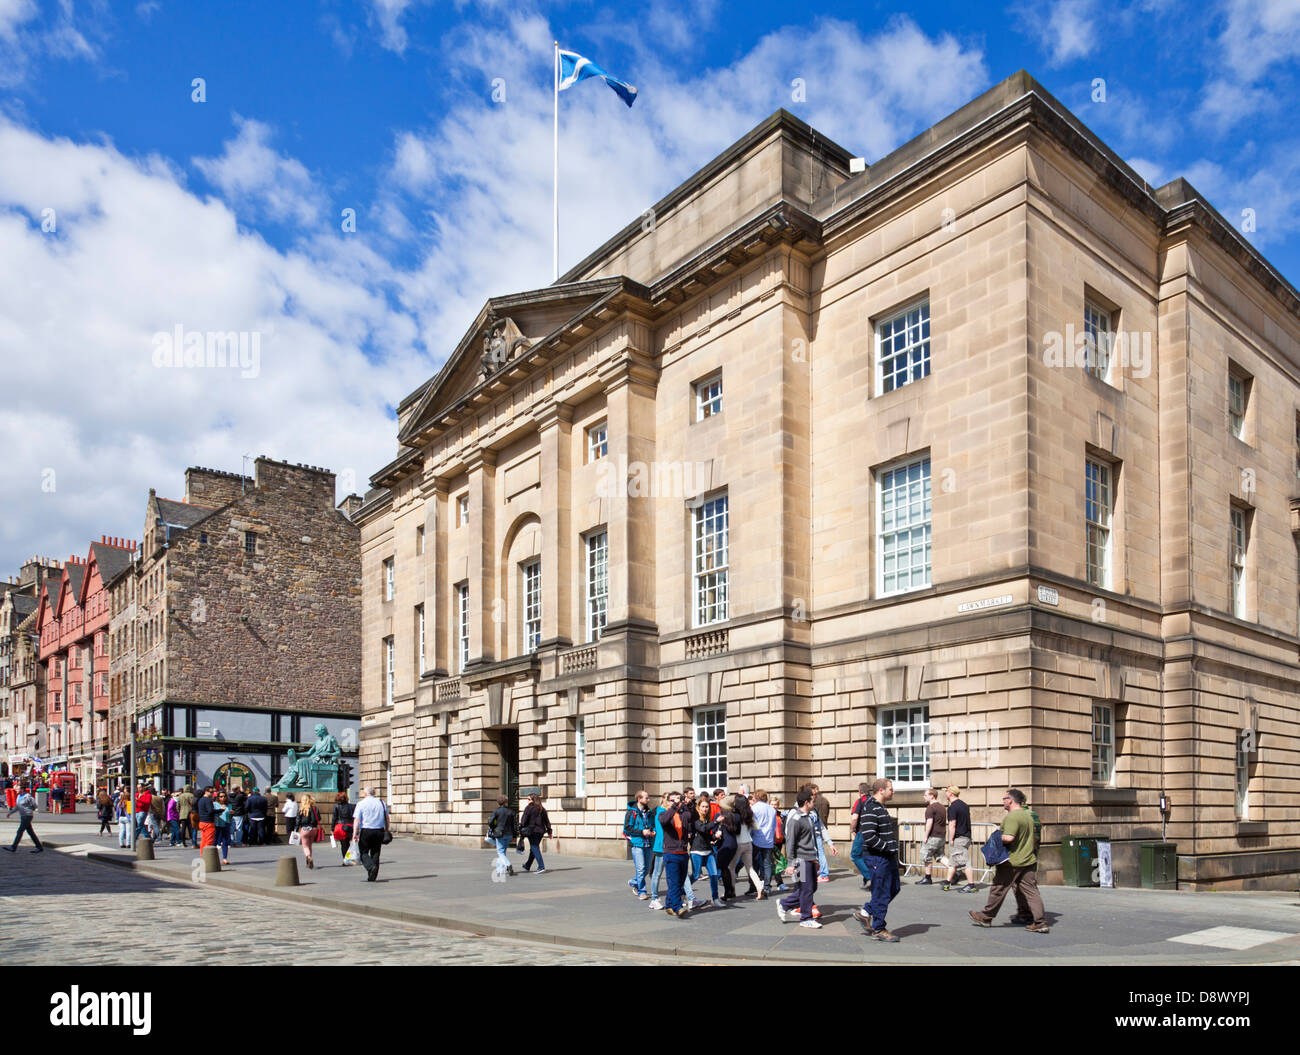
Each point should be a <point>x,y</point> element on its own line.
<point>880,852</point>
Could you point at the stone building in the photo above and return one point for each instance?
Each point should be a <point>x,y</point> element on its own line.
<point>21,707</point>
<point>238,627</point>
<point>1012,440</point>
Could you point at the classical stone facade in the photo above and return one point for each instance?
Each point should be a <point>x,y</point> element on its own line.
<point>978,466</point>
<point>238,627</point>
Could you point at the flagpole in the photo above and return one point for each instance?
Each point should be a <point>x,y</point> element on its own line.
<point>555,182</point>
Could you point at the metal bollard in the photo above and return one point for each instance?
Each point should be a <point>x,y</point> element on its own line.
<point>286,872</point>
<point>144,849</point>
<point>211,859</point>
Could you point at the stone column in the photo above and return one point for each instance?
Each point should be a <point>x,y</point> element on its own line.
<point>481,466</point>
<point>555,425</point>
<point>437,589</point>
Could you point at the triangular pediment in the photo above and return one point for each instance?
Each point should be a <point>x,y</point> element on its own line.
<point>502,335</point>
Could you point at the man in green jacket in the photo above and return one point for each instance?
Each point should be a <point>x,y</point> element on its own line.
<point>1020,871</point>
<point>184,807</point>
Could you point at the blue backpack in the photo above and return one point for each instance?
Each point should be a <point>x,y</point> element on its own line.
<point>995,850</point>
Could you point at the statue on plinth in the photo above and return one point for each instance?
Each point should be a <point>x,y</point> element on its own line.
<point>324,752</point>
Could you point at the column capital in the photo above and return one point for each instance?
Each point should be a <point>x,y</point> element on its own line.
<point>630,367</point>
<point>478,458</point>
<point>552,414</point>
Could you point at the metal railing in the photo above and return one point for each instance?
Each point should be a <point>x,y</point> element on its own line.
<point>911,841</point>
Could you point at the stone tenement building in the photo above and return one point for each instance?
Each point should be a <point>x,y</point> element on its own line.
<point>22,691</point>
<point>1011,440</point>
<point>238,628</point>
<point>72,624</point>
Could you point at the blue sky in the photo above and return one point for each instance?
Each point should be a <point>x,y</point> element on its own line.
<point>225,214</point>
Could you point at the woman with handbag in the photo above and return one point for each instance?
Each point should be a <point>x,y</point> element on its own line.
<point>221,818</point>
<point>308,826</point>
<point>534,826</point>
<point>343,811</point>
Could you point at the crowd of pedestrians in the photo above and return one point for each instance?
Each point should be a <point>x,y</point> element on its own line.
<point>726,837</point>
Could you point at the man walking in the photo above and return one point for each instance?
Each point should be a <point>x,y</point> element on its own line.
<point>880,851</point>
<point>676,823</point>
<point>1019,872</point>
<point>764,833</point>
<point>822,814</point>
<point>855,854</point>
<point>369,822</point>
<point>25,804</point>
<point>936,820</point>
<point>959,840</point>
<point>238,811</point>
<point>639,829</point>
<point>801,851</point>
<point>207,811</point>
<point>256,818</point>
<point>184,807</point>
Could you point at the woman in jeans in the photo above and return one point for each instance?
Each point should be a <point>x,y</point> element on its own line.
<point>221,820</point>
<point>533,826</point>
<point>308,819</point>
<point>502,832</point>
<point>123,811</point>
<point>706,833</point>
<point>104,809</point>
<point>174,819</point>
<point>343,810</point>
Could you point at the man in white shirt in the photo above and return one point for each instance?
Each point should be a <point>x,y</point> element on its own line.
<point>763,833</point>
<point>369,822</point>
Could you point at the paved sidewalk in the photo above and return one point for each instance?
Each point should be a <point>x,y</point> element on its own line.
<point>586,903</point>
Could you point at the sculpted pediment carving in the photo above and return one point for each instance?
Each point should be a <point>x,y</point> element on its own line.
<point>502,341</point>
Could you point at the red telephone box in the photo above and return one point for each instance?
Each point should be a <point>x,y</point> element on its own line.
<point>68,782</point>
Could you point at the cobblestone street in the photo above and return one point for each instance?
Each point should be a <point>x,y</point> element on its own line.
<point>56,909</point>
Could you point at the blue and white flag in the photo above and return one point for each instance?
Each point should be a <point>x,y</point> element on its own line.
<point>574,68</point>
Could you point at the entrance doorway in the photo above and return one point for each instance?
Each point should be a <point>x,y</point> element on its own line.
<point>509,742</point>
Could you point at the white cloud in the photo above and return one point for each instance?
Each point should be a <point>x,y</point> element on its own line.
<point>1224,105</point>
<point>13,13</point>
<point>386,16</point>
<point>1260,33</point>
<point>134,254</point>
<point>1065,29</point>
<point>253,176</point>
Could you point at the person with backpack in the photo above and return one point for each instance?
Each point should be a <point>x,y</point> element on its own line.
<point>763,831</point>
<point>502,829</point>
<point>1019,872</point>
<point>184,810</point>
<point>855,855</point>
<point>534,826</point>
<point>652,888</point>
<point>639,831</point>
<point>25,804</point>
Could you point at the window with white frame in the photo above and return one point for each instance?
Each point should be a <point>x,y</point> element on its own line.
<point>419,639</point>
<point>710,747</point>
<point>388,671</point>
<point>1098,329</point>
<point>597,584</point>
<point>1242,782</point>
<point>597,441</point>
<point>580,758</point>
<point>903,347</point>
<point>1103,743</point>
<point>390,579</point>
<point>532,607</point>
<point>462,621</point>
<point>462,510</point>
<point>903,745</point>
<point>903,526</point>
<point>1240,539</point>
<point>1238,395</point>
<point>708,397</point>
<point>711,561</point>
<point>1098,508</point>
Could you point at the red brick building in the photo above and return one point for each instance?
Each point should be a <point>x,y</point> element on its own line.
<point>72,624</point>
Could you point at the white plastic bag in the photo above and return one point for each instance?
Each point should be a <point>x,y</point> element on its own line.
<point>353,856</point>
<point>333,842</point>
<point>295,837</point>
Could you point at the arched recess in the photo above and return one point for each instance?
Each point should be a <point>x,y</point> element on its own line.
<point>523,542</point>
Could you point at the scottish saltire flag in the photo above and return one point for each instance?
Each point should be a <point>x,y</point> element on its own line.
<point>574,68</point>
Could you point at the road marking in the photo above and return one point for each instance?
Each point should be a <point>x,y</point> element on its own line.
<point>1238,938</point>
